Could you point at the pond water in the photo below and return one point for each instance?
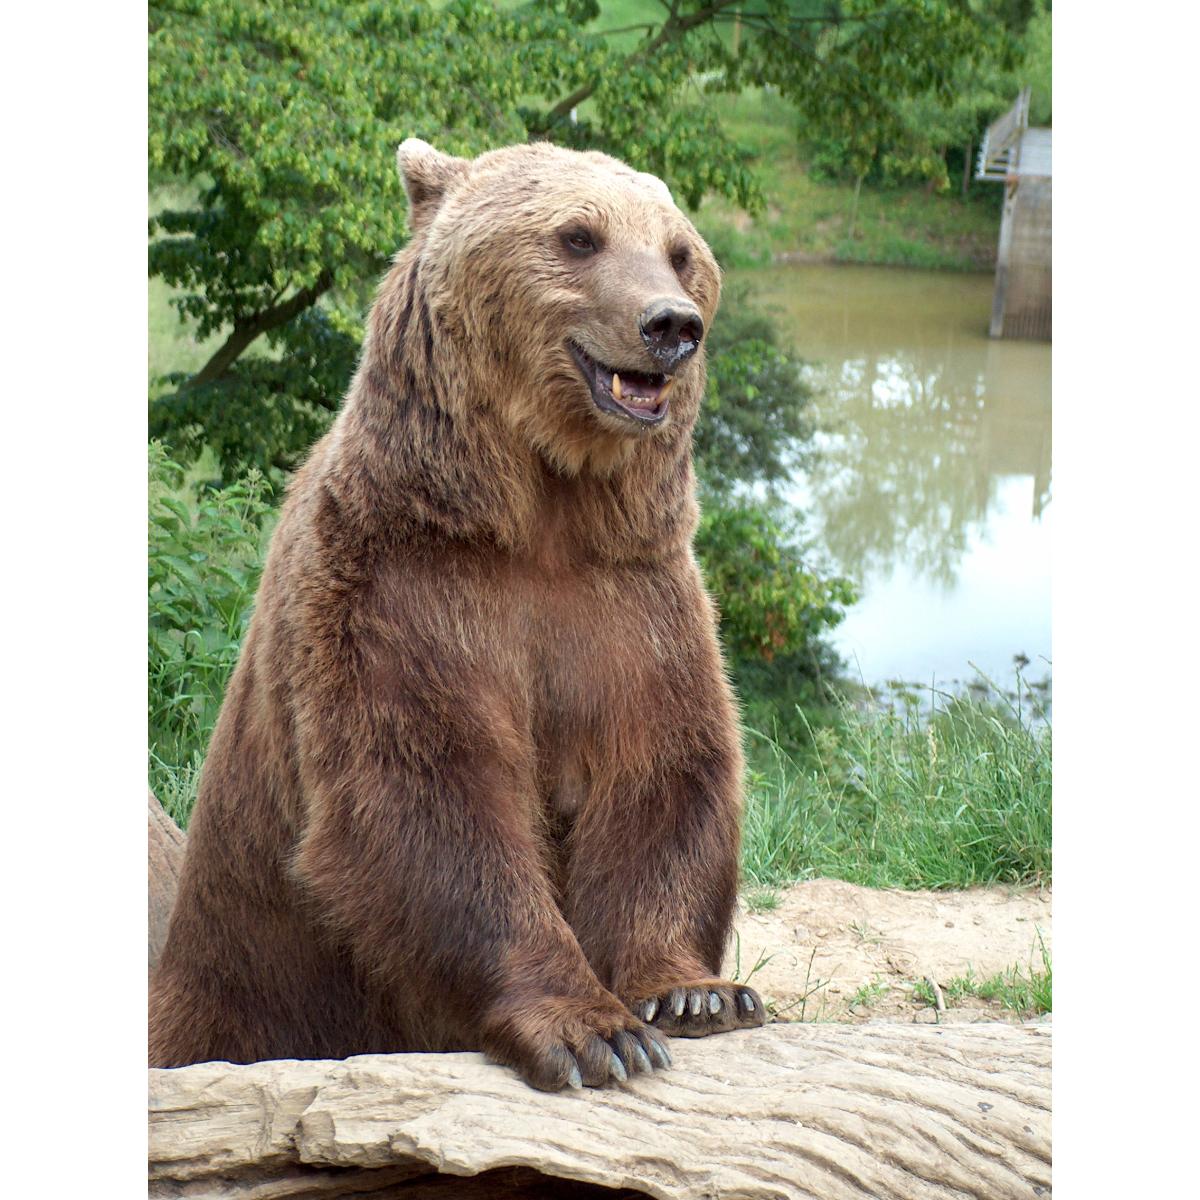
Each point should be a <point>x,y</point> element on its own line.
<point>931,488</point>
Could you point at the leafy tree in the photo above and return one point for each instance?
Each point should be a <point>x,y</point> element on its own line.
<point>283,114</point>
<point>755,424</point>
<point>265,411</point>
<point>938,132</point>
<point>919,132</point>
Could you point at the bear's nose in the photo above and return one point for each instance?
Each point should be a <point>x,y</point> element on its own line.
<point>671,331</point>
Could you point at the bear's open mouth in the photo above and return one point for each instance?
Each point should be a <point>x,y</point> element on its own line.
<point>631,394</point>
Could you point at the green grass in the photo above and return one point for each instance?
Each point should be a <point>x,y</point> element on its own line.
<point>868,994</point>
<point>175,784</point>
<point>923,993</point>
<point>893,796</point>
<point>810,219</point>
<point>762,899</point>
<point>1026,991</point>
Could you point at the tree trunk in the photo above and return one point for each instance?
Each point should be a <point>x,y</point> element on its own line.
<point>838,1111</point>
<point>966,179</point>
<point>247,329</point>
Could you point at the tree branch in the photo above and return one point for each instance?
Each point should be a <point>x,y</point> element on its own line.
<point>673,28</point>
<point>246,329</point>
<point>648,26</point>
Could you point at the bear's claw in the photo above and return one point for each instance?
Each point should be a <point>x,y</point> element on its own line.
<point>581,1057</point>
<point>698,1009</point>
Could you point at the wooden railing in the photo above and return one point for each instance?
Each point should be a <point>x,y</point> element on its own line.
<point>997,154</point>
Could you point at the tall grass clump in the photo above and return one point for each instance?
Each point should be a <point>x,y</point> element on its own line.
<point>1030,991</point>
<point>903,796</point>
<point>206,550</point>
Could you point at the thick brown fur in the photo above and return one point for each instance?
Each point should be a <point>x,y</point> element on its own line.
<point>475,782</point>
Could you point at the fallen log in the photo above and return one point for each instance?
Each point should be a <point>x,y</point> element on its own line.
<point>166,846</point>
<point>791,1110</point>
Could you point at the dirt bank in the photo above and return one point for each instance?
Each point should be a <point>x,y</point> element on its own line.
<point>859,953</point>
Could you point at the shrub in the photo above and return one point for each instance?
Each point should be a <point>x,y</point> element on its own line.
<point>205,558</point>
<point>755,426</point>
<point>771,603</point>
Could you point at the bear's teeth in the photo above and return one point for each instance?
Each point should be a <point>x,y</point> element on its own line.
<point>616,386</point>
<point>666,387</point>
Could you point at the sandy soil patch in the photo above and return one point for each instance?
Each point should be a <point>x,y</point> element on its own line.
<point>857,937</point>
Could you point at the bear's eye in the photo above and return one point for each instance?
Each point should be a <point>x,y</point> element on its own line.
<point>680,258</point>
<point>580,242</point>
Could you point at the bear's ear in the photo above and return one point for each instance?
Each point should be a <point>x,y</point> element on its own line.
<point>426,174</point>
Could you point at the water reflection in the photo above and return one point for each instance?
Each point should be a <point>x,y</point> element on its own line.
<point>935,470</point>
<point>914,450</point>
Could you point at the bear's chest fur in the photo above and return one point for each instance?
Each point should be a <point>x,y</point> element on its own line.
<point>590,665</point>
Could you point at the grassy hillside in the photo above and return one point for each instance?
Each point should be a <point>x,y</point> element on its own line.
<point>809,219</point>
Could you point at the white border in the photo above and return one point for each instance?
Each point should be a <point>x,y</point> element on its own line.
<point>74,480</point>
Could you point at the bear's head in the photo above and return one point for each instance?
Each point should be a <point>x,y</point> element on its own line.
<point>567,292</point>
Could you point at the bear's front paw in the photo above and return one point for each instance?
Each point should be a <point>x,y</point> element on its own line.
<point>703,1007</point>
<point>558,1042</point>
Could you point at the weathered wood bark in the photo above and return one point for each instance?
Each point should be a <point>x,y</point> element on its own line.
<point>830,1111</point>
<point>166,846</point>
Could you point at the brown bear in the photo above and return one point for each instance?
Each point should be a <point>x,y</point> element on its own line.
<point>475,784</point>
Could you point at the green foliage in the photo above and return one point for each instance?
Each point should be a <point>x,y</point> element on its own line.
<point>292,111</point>
<point>859,73</point>
<point>287,115</point>
<point>205,557</point>
<point>923,993</point>
<point>283,116</point>
<point>895,797</point>
<point>918,131</point>
<point>755,422</point>
<point>753,562</point>
<point>1038,65</point>
<point>868,994</point>
<point>1027,992</point>
<point>265,411</point>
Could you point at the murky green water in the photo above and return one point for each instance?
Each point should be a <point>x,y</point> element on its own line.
<point>932,488</point>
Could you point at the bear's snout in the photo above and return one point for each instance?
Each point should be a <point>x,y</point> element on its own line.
<point>672,331</point>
